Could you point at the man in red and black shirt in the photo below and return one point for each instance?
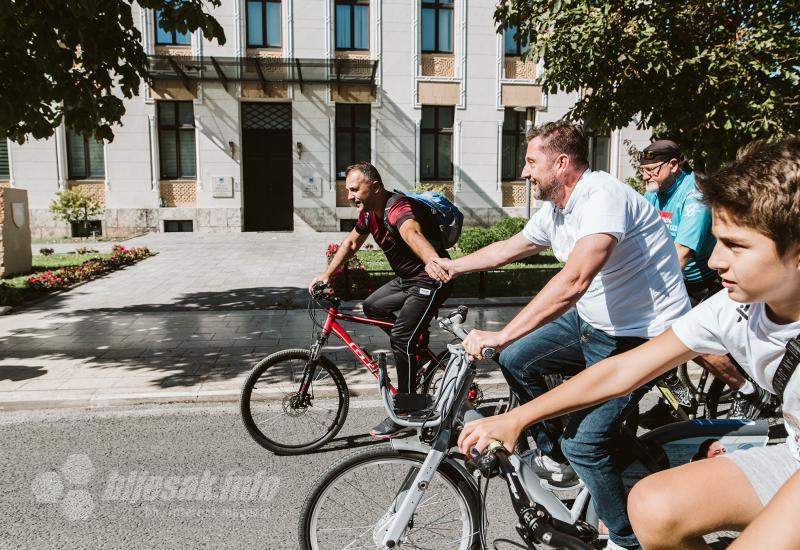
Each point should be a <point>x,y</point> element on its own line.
<point>411,299</point>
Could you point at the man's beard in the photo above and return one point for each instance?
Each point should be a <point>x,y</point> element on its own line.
<point>651,187</point>
<point>552,192</point>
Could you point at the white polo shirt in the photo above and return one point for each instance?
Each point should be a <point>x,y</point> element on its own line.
<point>640,290</point>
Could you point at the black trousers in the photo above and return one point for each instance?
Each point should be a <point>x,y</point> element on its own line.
<point>411,306</point>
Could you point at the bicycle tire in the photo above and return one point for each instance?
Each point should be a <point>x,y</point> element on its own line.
<point>373,503</point>
<point>268,372</point>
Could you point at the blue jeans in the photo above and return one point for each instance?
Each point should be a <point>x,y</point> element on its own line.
<point>566,346</point>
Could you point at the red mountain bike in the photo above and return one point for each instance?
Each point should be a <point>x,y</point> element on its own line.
<point>296,400</point>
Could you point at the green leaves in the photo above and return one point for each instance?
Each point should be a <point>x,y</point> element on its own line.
<point>60,60</point>
<point>710,75</point>
<point>74,206</point>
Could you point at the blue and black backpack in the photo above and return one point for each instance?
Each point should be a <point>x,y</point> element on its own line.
<point>448,217</point>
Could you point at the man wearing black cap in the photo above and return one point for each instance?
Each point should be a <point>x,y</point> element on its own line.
<point>672,190</point>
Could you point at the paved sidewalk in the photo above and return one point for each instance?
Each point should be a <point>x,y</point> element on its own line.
<point>185,325</point>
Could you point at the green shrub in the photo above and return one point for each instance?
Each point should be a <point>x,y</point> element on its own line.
<point>475,238</point>
<point>508,227</point>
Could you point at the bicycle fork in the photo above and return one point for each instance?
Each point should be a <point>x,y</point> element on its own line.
<point>387,534</point>
<point>310,370</point>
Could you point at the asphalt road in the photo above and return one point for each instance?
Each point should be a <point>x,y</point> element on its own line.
<point>169,476</point>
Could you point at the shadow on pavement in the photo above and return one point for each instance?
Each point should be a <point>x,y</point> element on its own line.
<point>17,373</point>
<point>203,337</point>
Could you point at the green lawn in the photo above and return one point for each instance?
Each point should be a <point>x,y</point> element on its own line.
<point>13,290</point>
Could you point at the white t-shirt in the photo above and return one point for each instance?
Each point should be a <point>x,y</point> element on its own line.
<point>640,290</point>
<point>720,325</point>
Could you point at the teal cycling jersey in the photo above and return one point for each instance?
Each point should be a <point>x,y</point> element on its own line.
<point>688,220</point>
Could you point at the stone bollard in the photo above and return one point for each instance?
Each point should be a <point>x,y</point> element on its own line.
<point>15,232</point>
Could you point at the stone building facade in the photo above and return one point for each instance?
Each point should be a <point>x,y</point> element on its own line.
<point>254,135</point>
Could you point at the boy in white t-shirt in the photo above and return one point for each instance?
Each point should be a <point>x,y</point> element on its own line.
<point>756,206</point>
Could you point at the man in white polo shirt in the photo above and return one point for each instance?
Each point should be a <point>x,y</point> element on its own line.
<point>621,285</point>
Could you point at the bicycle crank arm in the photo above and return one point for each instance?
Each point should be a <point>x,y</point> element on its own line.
<point>388,535</point>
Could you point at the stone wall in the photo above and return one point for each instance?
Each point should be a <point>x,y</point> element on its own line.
<point>15,232</point>
<point>122,223</point>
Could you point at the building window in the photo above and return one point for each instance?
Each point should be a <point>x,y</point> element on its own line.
<point>85,158</point>
<point>352,24</point>
<point>515,45</point>
<point>436,147</point>
<point>352,136</point>
<point>170,38</point>
<point>176,139</point>
<point>263,23</point>
<point>437,26</point>
<point>514,146</point>
<point>5,169</point>
<point>178,226</point>
<point>599,152</point>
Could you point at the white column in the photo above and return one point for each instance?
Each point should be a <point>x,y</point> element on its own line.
<point>373,141</point>
<point>145,22</point>
<point>106,168</point>
<point>415,47</point>
<point>288,36</point>
<point>500,70</point>
<point>377,48</point>
<point>238,40</point>
<point>462,53</point>
<point>416,151</point>
<point>457,157</point>
<point>614,153</point>
<point>11,180</point>
<point>332,152</point>
<point>61,164</point>
<point>153,134</point>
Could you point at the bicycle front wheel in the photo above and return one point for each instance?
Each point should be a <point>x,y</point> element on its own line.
<point>360,494</point>
<point>284,419</point>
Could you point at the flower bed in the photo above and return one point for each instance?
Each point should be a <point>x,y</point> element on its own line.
<point>90,269</point>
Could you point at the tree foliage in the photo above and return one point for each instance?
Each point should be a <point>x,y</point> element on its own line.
<point>711,75</point>
<point>78,59</point>
<point>75,206</point>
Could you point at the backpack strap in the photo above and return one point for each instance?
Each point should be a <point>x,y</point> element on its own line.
<point>389,203</point>
<point>787,367</point>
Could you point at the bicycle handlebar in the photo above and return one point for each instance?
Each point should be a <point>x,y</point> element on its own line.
<point>454,323</point>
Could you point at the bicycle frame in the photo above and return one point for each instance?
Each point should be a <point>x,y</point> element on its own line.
<point>332,326</point>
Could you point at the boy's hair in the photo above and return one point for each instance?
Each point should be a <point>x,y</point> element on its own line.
<point>367,170</point>
<point>761,190</point>
<point>562,137</point>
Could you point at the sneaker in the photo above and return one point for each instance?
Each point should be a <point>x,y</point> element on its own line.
<point>388,429</point>
<point>555,473</point>
<point>659,415</point>
<point>611,545</point>
<point>752,405</point>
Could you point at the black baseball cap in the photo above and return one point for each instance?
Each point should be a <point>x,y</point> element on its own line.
<point>662,150</point>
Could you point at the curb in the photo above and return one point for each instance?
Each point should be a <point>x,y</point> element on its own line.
<point>103,401</point>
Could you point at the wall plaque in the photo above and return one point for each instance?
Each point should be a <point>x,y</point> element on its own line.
<point>222,187</point>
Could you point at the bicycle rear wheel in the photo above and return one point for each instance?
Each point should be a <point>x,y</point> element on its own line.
<point>282,419</point>
<point>359,495</point>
